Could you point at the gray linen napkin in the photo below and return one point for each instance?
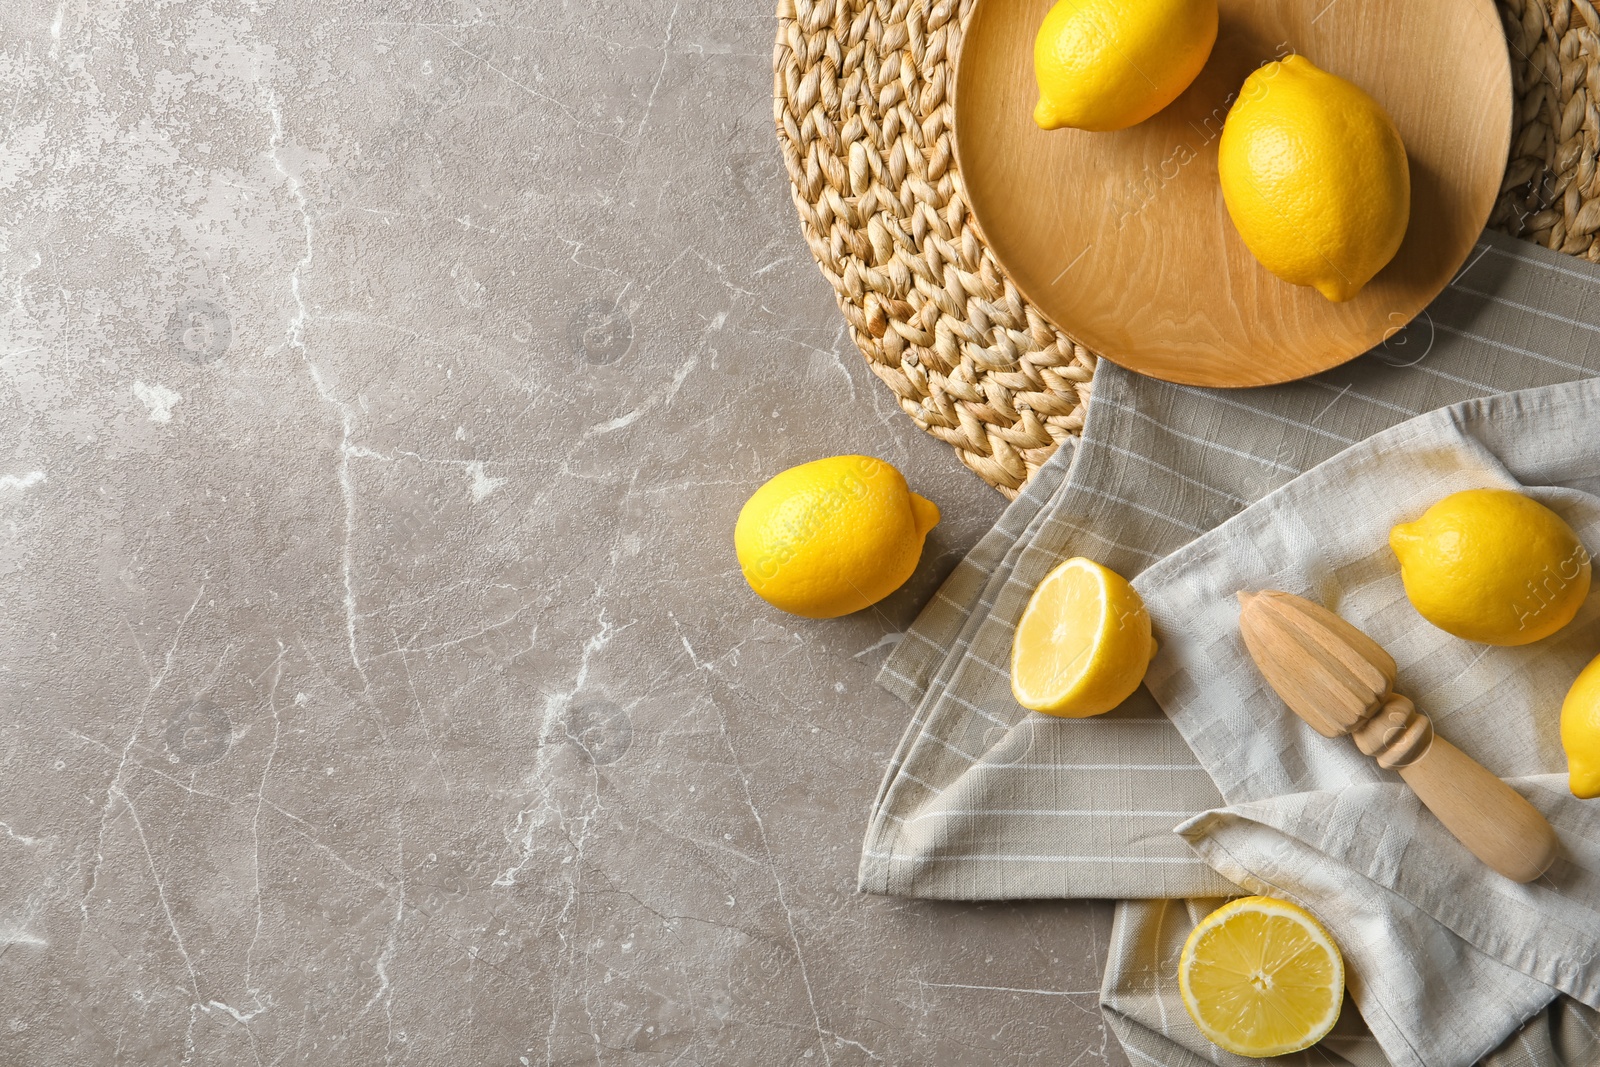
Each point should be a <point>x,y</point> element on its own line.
<point>1446,957</point>
<point>984,800</point>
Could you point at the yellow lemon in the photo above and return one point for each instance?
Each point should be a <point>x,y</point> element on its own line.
<point>832,536</point>
<point>1494,566</point>
<point>1261,977</point>
<point>1108,64</point>
<point>1580,733</point>
<point>1315,178</point>
<point>1083,644</point>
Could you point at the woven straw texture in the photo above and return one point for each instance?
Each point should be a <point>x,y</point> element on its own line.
<point>861,99</point>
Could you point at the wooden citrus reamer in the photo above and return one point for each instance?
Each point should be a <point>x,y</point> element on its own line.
<point>1340,681</point>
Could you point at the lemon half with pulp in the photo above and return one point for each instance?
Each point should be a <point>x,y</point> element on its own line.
<point>1083,643</point>
<point>1261,977</point>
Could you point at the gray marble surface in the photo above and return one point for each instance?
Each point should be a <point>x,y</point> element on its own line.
<point>380,382</point>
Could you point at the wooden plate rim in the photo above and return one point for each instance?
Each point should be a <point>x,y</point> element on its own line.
<point>1507,95</point>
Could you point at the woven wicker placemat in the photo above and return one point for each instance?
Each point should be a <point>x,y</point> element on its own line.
<point>861,99</point>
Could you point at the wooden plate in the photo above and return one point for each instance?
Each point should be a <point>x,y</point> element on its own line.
<point>1122,238</point>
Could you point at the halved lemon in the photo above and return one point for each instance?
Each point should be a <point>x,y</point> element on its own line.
<point>1261,977</point>
<point>1083,644</point>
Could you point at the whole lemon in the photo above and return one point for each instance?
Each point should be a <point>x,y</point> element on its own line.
<point>832,536</point>
<point>1108,64</point>
<point>1580,732</point>
<point>1315,178</point>
<point>1494,566</point>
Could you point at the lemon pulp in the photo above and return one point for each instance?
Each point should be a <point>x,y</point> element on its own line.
<point>1261,977</point>
<point>1083,643</point>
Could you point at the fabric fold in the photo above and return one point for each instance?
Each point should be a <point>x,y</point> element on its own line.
<point>1140,1001</point>
<point>1310,817</point>
<point>984,800</point>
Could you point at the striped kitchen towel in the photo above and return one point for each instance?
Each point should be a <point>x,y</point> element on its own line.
<point>1446,957</point>
<point>984,800</point>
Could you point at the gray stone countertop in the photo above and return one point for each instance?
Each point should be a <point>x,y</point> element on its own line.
<point>379,384</point>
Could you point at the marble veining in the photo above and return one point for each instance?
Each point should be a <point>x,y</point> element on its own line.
<point>379,382</point>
